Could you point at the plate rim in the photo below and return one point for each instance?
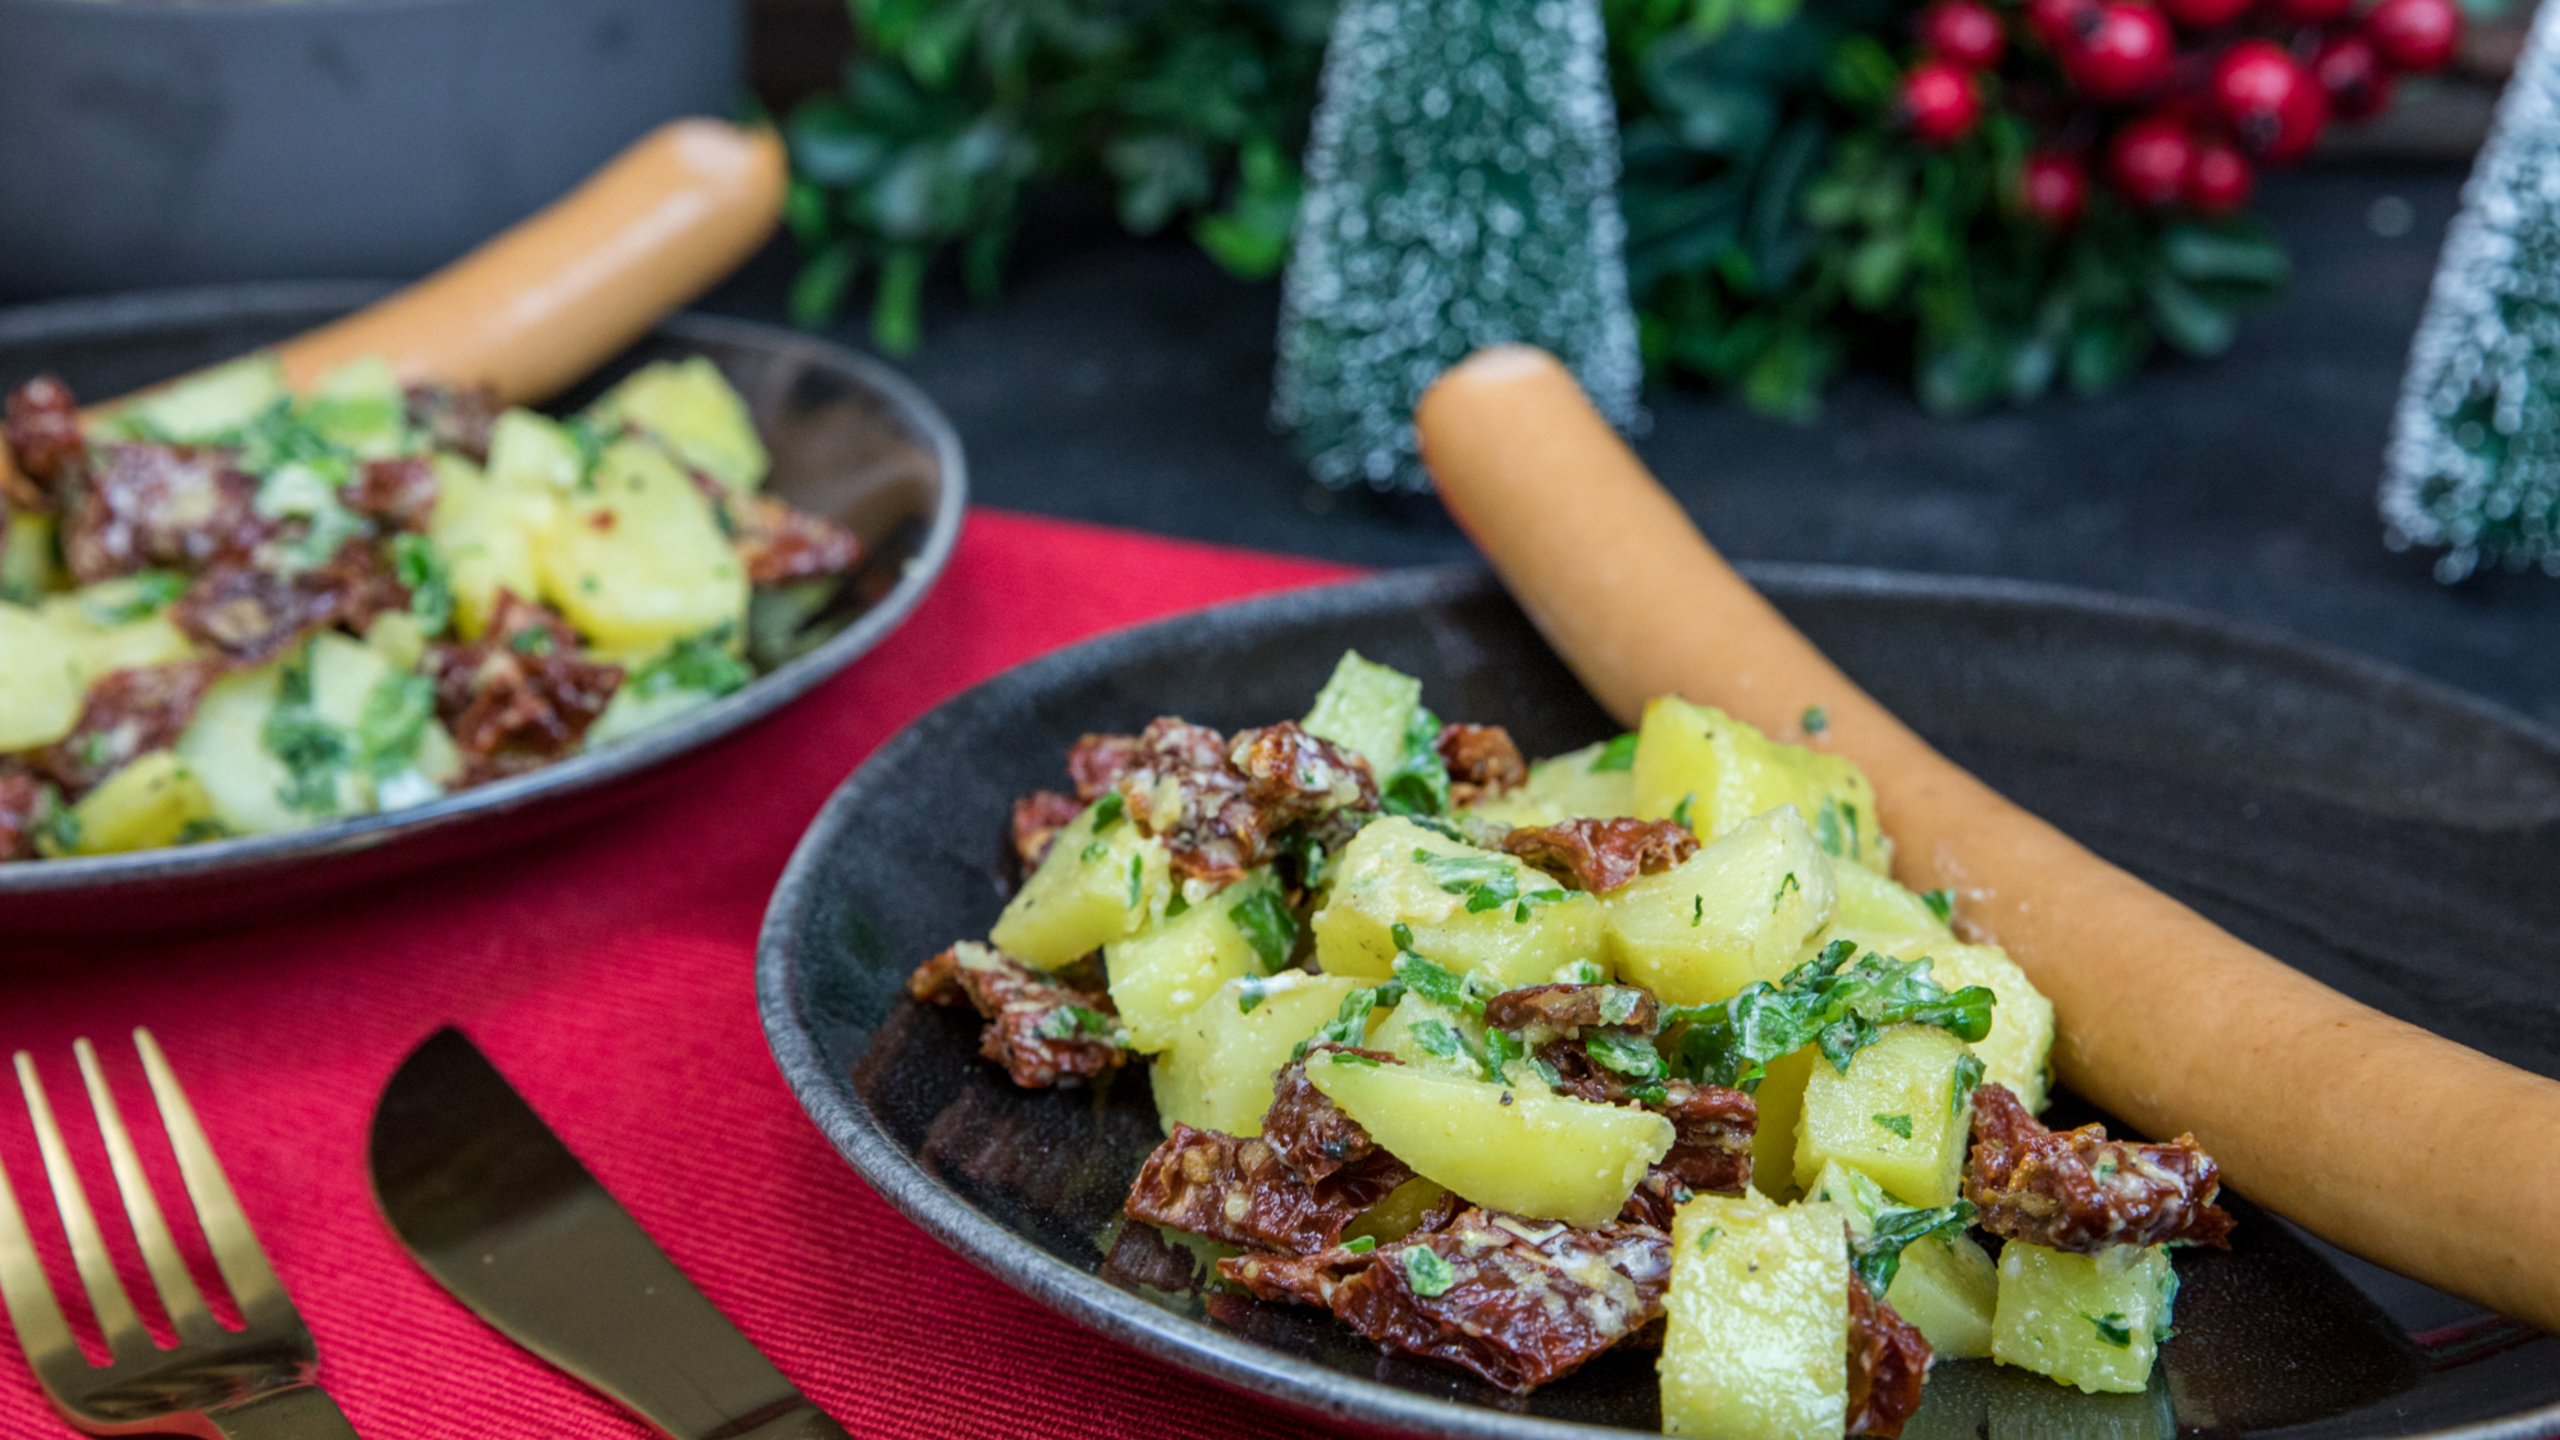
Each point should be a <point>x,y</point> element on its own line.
<point>135,312</point>
<point>1225,1356</point>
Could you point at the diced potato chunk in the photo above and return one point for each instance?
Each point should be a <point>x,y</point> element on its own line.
<point>1945,1286</point>
<point>1430,1036</point>
<point>1396,1216</point>
<point>1773,1141</point>
<point>1368,709</point>
<point>1525,926</point>
<point>2090,1321</point>
<point>1217,1073</point>
<point>1595,782</point>
<point>636,560</point>
<point>485,536</point>
<point>1169,969</point>
<point>1877,904</point>
<point>205,406</point>
<point>534,454</point>
<point>692,409</point>
<point>1101,881</point>
<point>1699,762</point>
<point>360,406</point>
<point>1894,1116</point>
<point>151,801</point>
<point>27,565</point>
<point>2020,1042</point>
<point>1508,1148</point>
<point>40,686</point>
<point>1742,909</point>
<point>1758,1340</point>
<point>226,748</point>
<point>121,624</point>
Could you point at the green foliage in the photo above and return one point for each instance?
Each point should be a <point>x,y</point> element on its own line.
<point>1827,1002</point>
<point>1778,226</point>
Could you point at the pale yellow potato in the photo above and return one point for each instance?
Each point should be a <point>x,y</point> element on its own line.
<point>534,454</point>
<point>636,560</point>
<point>1169,969</point>
<point>2089,1321</point>
<point>225,746</point>
<point>1378,884</point>
<point>1745,908</point>
<point>1945,1286</point>
<point>1757,1343</point>
<point>690,407</point>
<point>1408,1033</point>
<point>1217,1073</point>
<point>1089,890</point>
<point>40,686</point>
<point>1504,1147</point>
<point>2016,1050</point>
<point>1719,771</point>
<point>1895,1116</point>
<point>27,565</point>
<point>1565,787</point>
<point>485,536</point>
<point>1396,1216</point>
<point>150,801</point>
<point>1877,904</point>
<point>1780,1097</point>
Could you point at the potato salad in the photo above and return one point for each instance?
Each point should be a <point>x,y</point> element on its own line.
<point>1507,1064</point>
<point>228,609</point>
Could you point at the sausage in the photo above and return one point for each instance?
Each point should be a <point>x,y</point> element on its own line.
<point>2402,1146</point>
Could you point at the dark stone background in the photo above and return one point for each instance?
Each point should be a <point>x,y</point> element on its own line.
<point>1125,382</point>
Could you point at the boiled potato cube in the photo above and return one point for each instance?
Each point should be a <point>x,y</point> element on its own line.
<point>361,408</point>
<point>1504,1147</point>
<point>1396,1216</point>
<point>1101,881</point>
<point>636,560</point>
<point>1595,782</point>
<point>485,536</point>
<point>208,406</point>
<point>2093,1321</point>
<point>1169,969</point>
<point>1758,1341</point>
<point>397,754</point>
<point>1217,1073</point>
<point>225,745</point>
<point>535,454</point>
<point>1780,1097</point>
<point>1894,1116</point>
<point>40,685</point>
<point>1523,929</point>
<point>1431,1036</point>
<point>27,565</point>
<point>2020,1043</point>
<point>1698,762</point>
<point>1945,1286</point>
<point>150,801</point>
<point>691,408</point>
<point>1742,909</point>
<point>1877,904</point>
<point>1373,710</point>
<point>121,624</point>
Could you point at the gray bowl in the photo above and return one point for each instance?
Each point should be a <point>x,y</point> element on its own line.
<point>851,439</point>
<point>156,144</point>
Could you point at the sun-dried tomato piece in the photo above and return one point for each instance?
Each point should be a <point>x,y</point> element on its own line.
<point>1097,762</point>
<point>1313,1135</point>
<point>1482,761</point>
<point>149,505</point>
<point>1037,819</point>
<point>1219,803</point>
<point>1519,1302</point>
<point>459,420</point>
<point>127,713</point>
<point>400,491</point>
<point>520,696</point>
<point>1888,1364</point>
<point>42,430</point>
<point>23,802</point>
<point>1542,1013</point>
<point>2079,1191</point>
<point>780,545</point>
<point>1041,1028</point>
<point>1240,1191</point>
<point>1601,855</point>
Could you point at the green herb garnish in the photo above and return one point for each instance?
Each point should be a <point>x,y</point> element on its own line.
<point>1877,1255</point>
<point>1816,720</point>
<point>1419,784</point>
<point>1786,887</point>
<point>1941,903</point>
<point>2111,1328</point>
<point>702,663</point>
<point>1898,1124</point>
<point>429,583</point>
<point>1827,1002</point>
<point>1629,1055</point>
<point>1426,1273</point>
<point>1968,1076</point>
<point>143,596</point>
<point>1618,754</point>
<point>312,751</point>
<point>1264,920</point>
<point>1360,1244</point>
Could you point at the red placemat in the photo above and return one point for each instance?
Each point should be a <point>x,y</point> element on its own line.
<point>609,972</point>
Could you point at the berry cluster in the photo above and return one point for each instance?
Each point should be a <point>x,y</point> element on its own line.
<point>2180,101</point>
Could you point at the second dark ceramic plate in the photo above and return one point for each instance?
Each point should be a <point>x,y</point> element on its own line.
<point>2388,836</point>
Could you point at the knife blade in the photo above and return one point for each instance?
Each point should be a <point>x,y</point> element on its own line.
<point>491,1204</point>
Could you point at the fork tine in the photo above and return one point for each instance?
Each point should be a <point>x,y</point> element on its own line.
<point>254,1286</point>
<point>178,1294</point>
<point>116,1318</point>
<point>28,1296</point>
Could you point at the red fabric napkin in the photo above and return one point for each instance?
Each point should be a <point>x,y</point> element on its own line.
<point>609,973</point>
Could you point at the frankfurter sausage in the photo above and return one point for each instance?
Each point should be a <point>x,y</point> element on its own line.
<point>2397,1144</point>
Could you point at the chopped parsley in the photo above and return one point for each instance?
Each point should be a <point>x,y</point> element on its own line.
<point>1426,1273</point>
<point>97,748</point>
<point>430,585</point>
<point>1350,1024</point>
<point>1968,1077</point>
<point>1580,972</point>
<point>312,751</point>
<point>1137,880</point>
<point>2111,1328</point>
<point>1250,992</point>
<point>1437,983</point>
<point>701,663</point>
<point>1835,828</point>
<point>1680,812</point>
<point>138,597</point>
<point>1697,911</point>
<point>535,640</point>
<point>1941,903</point>
<point>1898,1124</point>
<point>1619,1005</point>
<point>1618,754</point>
<point>1489,882</point>
<point>1419,784</point>
<point>57,826</point>
<point>1816,720</point>
<point>1360,1244</point>
<point>1180,902</point>
<point>1108,811</point>
<point>1877,1255</point>
<point>1707,1237</point>
<point>1826,1002</point>
<point>1442,1039</point>
<point>1070,1022</point>
<point>1630,1055</point>
<point>1786,887</point>
<point>1264,920</point>
<point>393,724</point>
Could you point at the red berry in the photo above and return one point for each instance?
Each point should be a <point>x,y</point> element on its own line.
<point>2149,159</point>
<point>2124,52</point>
<point>2054,188</point>
<point>2061,22</point>
<point>1962,32</point>
<point>2415,35</point>
<point>2219,178</point>
<point>2312,12</point>
<point>2273,103</point>
<point>2205,14</point>
<point>2351,74</point>
<point>1939,102</point>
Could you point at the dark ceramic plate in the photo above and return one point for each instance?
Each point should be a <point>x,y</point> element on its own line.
<point>850,439</point>
<point>2391,837</point>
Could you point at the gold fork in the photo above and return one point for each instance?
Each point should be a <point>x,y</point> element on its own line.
<point>255,1383</point>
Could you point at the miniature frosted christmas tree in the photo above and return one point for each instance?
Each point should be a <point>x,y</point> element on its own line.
<point>1461,182</point>
<point>2474,463</point>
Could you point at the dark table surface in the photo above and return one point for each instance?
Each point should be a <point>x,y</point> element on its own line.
<point>1126,382</point>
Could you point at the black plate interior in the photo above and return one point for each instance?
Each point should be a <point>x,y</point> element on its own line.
<point>2388,836</point>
